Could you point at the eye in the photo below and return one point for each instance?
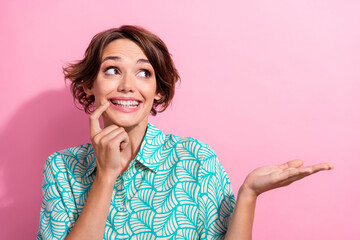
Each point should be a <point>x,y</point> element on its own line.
<point>144,73</point>
<point>111,71</point>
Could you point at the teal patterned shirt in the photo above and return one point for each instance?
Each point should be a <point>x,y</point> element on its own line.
<point>175,188</point>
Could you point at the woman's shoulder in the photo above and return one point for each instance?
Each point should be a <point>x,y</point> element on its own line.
<point>198,158</point>
<point>155,140</point>
<point>80,151</point>
<point>78,157</point>
<point>196,147</point>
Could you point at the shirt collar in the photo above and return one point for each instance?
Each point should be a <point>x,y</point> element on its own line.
<point>153,141</point>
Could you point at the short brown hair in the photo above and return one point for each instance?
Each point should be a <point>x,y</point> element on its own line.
<point>84,72</point>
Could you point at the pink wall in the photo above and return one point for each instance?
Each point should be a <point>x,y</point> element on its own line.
<point>263,82</point>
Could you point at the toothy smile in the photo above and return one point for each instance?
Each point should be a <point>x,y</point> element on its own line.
<point>125,103</point>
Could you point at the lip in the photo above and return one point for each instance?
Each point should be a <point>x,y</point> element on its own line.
<point>125,109</point>
<point>125,99</point>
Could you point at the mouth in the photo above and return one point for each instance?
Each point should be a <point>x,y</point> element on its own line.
<point>125,103</point>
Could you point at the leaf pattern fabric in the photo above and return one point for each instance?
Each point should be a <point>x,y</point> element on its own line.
<point>175,188</point>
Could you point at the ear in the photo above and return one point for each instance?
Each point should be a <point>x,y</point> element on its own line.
<point>158,96</point>
<point>88,91</point>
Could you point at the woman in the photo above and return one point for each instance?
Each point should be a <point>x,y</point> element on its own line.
<point>133,181</point>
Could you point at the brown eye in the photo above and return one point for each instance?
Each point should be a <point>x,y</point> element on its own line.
<point>111,71</point>
<point>145,73</point>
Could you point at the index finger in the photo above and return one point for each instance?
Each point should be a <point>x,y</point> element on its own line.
<point>94,119</point>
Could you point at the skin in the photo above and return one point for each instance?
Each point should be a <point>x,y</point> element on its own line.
<point>259,181</point>
<point>122,77</point>
<point>119,141</point>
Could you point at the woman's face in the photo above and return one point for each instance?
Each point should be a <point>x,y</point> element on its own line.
<point>127,80</point>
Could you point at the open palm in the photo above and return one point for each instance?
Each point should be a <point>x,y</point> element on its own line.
<point>269,177</point>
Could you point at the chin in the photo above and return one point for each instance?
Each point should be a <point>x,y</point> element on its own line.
<point>125,120</point>
<point>125,123</point>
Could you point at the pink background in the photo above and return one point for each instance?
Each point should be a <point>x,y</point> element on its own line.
<point>263,82</point>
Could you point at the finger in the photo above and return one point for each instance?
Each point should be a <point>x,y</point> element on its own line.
<point>124,143</point>
<point>292,164</point>
<point>324,166</point>
<point>118,139</point>
<point>319,167</point>
<point>307,171</point>
<point>100,137</point>
<point>299,173</point>
<point>94,119</point>
<point>292,173</point>
<point>105,138</point>
<point>107,130</point>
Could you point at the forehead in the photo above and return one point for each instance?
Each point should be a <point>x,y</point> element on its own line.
<point>123,48</point>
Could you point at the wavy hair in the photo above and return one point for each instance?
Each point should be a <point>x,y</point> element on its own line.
<point>84,72</point>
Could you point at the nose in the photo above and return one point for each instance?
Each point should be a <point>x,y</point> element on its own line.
<point>126,83</point>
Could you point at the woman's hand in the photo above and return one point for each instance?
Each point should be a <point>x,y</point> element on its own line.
<point>108,144</point>
<point>261,180</point>
<point>274,176</point>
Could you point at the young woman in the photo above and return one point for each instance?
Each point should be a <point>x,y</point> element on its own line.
<point>133,181</point>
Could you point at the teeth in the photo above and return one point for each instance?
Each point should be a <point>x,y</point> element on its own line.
<point>131,104</point>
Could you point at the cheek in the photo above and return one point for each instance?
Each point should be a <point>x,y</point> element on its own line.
<point>100,92</point>
<point>151,88</point>
<point>147,89</point>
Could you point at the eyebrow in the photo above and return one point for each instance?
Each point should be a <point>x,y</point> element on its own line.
<point>115,58</point>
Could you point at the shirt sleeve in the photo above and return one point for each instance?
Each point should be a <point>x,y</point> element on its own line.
<point>217,200</point>
<point>54,216</point>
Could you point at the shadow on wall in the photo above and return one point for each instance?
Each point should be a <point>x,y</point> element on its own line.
<point>41,126</point>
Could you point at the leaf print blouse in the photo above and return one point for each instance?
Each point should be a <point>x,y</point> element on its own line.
<point>175,188</point>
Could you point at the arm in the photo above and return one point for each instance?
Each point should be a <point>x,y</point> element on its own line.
<point>261,180</point>
<point>241,223</point>
<point>106,143</point>
<point>54,215</point>
<point>92,220</point>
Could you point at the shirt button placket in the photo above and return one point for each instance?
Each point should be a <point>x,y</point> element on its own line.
<point>120,193</point>
<point>120,214</point>
<point>119,200</point>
